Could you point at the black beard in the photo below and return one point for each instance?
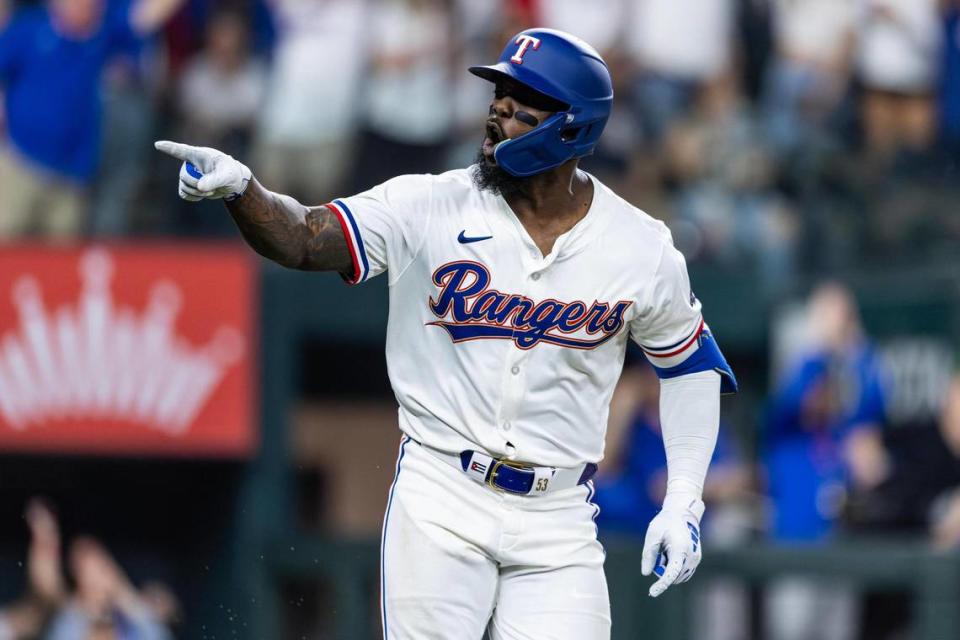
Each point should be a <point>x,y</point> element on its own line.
<point>490,177</point>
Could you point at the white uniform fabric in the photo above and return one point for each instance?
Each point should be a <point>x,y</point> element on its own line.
<point>459,557</point>
<point>690,419</point>
<point>490,344</point>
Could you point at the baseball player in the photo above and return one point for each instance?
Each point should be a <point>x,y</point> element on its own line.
<point>514,287</point>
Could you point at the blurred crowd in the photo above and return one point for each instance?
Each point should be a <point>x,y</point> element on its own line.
<point>780,136</point>
<point>774,135</point>
<point>103,603</point>
<point>826,461</point>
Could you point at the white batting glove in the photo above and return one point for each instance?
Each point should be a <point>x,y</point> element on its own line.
<point>207,173</point>
<point>671,549</point>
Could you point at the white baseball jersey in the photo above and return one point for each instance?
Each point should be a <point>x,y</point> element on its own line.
<point>493,346</point>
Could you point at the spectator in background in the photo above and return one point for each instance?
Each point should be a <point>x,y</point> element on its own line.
<point>185,34</point>
<point>823,428</point>
<point>45,590</point>
<point>949,81</point>
<point>51,61</point>
<point>921,496</point>
<point>726,207</point>
<point>822,440</point>
<point>222,89</point>
<point>406,74</point>
<point>631,487</point>
<point>754,44</point>
<point>478,25</point>
<point>678,47</point>
<point>219,98</point>
<point>922,492</point>
<point>944,513</point>
<point>104,604</point>
<point>307,133</point>
<point>897,57</point>
<point>127,124</point>
<point>808,79</point>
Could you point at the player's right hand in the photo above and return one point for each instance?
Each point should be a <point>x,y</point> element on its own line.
<point>206,173</point>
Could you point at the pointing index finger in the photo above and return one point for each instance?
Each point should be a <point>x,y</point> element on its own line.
<point>177,150</point>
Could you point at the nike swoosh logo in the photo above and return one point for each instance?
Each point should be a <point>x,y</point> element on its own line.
<point>463,239</point>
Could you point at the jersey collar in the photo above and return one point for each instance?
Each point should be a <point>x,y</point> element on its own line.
<point>580,236</point>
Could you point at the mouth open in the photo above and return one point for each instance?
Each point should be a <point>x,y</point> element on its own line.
<point>493,137</point>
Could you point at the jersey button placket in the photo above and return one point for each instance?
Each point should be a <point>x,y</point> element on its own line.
<point>512,385</point>
<point>514,388</point>
<point>514,382</point>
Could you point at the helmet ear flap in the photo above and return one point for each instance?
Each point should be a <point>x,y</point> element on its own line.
<point>535,151</point>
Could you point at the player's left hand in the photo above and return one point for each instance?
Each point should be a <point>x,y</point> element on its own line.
<point>671,549</point>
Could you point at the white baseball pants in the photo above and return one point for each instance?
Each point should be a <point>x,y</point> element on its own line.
<point>459,558</point>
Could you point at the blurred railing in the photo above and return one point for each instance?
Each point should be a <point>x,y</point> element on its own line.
<point>931,578</point>
<point>350,571</point>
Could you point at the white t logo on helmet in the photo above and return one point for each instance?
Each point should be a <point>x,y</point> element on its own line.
<point>524,42</point>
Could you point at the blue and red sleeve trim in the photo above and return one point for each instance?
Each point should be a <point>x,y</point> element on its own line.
<point>674,354</point>
<point>696,352</point>
<point>351,232</point>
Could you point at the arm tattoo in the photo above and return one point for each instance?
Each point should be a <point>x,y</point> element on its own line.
<point>289,233</point>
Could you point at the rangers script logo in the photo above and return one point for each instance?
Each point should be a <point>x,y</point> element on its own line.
<point>470,310</point>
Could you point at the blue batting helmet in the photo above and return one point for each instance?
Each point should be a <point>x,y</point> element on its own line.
<point>568,70</point>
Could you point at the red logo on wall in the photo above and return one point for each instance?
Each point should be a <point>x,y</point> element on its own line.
<point>127,350</point>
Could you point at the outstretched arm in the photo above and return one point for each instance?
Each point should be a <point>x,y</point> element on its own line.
<point>285,231</point>
<point>276,226</point>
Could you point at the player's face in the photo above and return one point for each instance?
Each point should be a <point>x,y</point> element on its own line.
<point>515,110</point>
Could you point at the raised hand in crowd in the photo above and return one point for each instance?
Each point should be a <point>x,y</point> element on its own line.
<point>105,600</point>
<point>46,589</point>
